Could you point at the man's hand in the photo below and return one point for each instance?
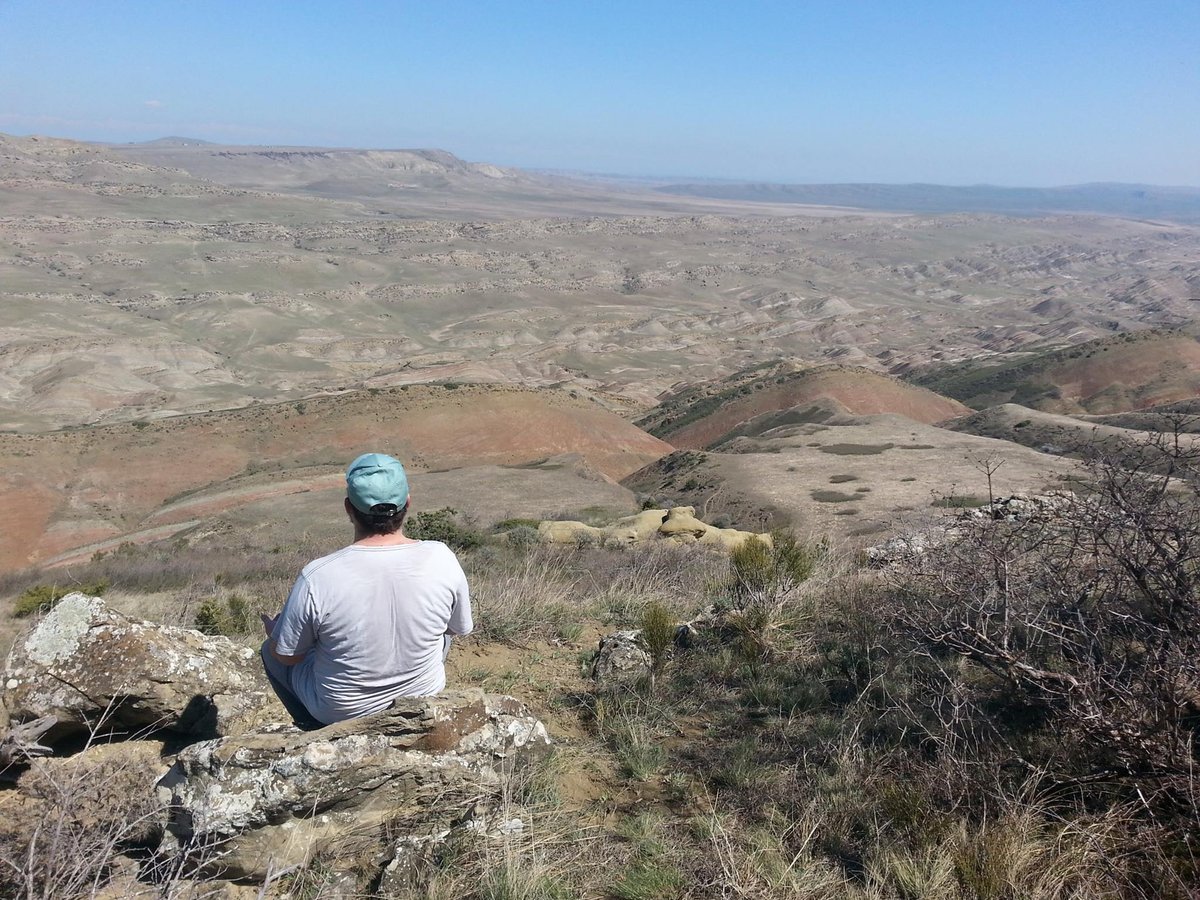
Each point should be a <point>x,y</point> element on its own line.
<point>268,623</point>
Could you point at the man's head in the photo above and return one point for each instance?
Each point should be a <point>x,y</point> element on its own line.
<point>377,493</point>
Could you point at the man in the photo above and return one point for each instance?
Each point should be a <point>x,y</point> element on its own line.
<point>373,621</point>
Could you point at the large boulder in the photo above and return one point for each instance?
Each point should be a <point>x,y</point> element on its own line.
<point>678,524</point>
<point>642,526</point>
<point>94,669</point>
<point>258,803</point>
<point>555,532</point>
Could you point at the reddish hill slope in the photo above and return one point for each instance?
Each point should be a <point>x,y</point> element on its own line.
<point>757,399</point>
<point>1130,371</point>
<point>68,489</point>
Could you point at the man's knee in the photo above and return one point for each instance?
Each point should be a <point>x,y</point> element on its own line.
<point>273,667</point>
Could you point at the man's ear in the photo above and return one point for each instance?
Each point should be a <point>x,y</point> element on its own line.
<point>349,507</point>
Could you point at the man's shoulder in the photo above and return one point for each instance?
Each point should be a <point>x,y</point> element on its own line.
<point>442,554</point>
<point>434,551</point>
<point>324,561</point>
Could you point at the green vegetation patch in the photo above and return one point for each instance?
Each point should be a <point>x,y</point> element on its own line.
<point>959,501</point>
<point>856,449</point>
<point>833,497</point>
<point>231,617</point>
<point>445,525</point>
<point>509,524</point>
<point>43,597</point>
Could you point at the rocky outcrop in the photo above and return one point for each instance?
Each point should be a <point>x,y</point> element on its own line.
<point>93,669</point>
<point>404,777</point>
<point>1016,508</point>
<point>679,524</point>
<point>240,799</point>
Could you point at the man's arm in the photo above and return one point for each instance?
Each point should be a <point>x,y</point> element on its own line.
<point>269,627</point>
<point>460,623</point>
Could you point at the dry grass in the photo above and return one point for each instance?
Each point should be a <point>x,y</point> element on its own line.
<point>521,595</point>
<point>805,762</point>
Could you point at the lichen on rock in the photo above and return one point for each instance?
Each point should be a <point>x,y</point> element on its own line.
<point>417,769</point>
<point>95,669</point>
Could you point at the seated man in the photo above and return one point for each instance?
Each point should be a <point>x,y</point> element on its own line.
<point>371,622</point>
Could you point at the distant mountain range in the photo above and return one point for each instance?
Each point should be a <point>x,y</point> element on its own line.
<point>1139,201</point>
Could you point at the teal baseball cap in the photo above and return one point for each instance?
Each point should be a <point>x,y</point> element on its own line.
<point>376,484</point>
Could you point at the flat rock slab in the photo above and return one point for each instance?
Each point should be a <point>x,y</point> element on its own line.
<point>93,668</point>
<point>251,804</point>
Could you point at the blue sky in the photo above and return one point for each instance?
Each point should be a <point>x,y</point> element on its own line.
<point>1015,92</point>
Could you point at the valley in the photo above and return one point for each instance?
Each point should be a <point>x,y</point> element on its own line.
<point>264,312</point>
<point>930,410</point>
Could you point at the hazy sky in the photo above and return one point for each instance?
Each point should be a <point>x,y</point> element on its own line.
<point>960,91</point>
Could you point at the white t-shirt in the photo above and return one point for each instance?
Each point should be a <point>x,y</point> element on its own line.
<point>371,620</point>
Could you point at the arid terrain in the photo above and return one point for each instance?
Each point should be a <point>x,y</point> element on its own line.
<point>197,338</point>
<point>149,280</point>
<point>189,329</point>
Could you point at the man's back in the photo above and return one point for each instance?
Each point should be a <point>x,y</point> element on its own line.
<point>374,618</point>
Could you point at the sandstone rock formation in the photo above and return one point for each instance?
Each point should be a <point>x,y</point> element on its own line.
<point>257,803</point>
<point>678,524</point>
<point>92,668</point>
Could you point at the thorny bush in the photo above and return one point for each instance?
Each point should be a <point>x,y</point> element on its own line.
<point>1083,625</point>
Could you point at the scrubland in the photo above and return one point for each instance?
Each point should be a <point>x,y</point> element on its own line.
<point>1011,714</point>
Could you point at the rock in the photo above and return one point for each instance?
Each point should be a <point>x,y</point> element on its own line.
<point>679,525</point>
<point>1053,506</point>
<point>109,787</point>
<point>413,772</point>
<point>93,668</point>
<point>905,547</point>
<point>621,659</point>
<point>553,532</point>
<point>641,526</point>
<point>1024,507</point>
<point>682,523</point>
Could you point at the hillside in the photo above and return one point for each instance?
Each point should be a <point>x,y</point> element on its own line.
<point>1182,416</point>
<point>849,478</point>
<point>75,488</point>
<point>1126,372</point>
<point>1048,432</point>
<point>765,397</point>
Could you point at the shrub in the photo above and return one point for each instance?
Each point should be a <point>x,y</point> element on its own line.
<point>523,536</point>
<point>444,525</point>
<point>43,597</point>
<point>232,617</point>
<point>1077,635</point>
<point>767,576</point>
<point>509,524</point>
<point>658,629</point>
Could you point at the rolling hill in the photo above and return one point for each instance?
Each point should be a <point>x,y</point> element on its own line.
<point>765,397</point>
<point>81,487</point>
